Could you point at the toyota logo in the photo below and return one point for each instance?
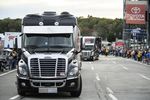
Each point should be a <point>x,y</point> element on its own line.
<point>135,10</point>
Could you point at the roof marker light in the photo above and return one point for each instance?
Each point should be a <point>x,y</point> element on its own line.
<point>41,23</point>
<point>56,23</point>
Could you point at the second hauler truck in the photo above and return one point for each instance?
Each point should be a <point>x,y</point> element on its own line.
<point>50,55</point>
<point>91,46</point>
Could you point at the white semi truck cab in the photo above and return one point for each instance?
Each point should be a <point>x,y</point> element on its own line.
<point>50,59</point>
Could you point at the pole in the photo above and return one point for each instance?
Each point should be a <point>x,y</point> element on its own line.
<point>148,24</point>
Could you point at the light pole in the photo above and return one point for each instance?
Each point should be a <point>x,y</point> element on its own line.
<point>148,24</point>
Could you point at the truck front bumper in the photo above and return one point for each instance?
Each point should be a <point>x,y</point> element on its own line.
<point>69,85</point>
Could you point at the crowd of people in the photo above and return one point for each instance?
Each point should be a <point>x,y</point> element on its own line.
<point>142,55</point>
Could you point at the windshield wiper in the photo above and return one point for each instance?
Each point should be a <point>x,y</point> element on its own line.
<point>31,46</point>
<point>57,50</point>
<point>60,46</point>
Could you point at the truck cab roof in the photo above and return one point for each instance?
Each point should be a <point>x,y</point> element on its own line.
<point>50,18</point>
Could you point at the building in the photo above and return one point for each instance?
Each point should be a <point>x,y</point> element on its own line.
<point>135,32</point>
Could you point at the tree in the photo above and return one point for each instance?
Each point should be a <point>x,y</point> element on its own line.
<point>108,29</point>
<point>10,25</point>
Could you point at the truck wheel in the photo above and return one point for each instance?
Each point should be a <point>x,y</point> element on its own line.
<point>78,92</point>
<point>92,58</point>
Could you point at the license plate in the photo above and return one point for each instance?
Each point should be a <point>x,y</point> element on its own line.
<point>47,90</point>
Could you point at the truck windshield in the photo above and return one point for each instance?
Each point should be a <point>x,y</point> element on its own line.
<point>88,47</point>
<point>48,41</point>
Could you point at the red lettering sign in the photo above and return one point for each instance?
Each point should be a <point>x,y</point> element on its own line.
<point>11,37</point>
<point>135,14</point>
<point>119,44</point>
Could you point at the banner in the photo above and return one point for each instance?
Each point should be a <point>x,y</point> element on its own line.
<point>135,14</point>
<point>10,39</point>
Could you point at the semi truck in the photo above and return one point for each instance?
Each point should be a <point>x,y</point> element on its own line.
<point>50,58</point>
<point>91,46</point>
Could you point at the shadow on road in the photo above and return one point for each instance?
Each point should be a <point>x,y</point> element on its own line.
<point>50,96</point>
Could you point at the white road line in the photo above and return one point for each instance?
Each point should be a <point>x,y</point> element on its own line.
<point>109,90</point>
<point>97,77</point>
<point>125,68</point>
<point>145,77</point>
<point>92,67</point>
<point>112,97</point>
<point>7,72</point>
<point>114,62</point>
<point>14,97</point>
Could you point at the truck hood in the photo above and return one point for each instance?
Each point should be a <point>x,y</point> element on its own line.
<point>46,56</point>
<point>49,55</point>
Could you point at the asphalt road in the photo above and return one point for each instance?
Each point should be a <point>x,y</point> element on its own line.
<point>109,78</point>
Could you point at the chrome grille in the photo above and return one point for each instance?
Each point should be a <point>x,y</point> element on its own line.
<point>86,54</point>
<point>34,67</point>
<point>61,66</point>
<point>48,67</point>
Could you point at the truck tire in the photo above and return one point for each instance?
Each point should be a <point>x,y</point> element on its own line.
<point>78,92</point>
<point>92,58</point>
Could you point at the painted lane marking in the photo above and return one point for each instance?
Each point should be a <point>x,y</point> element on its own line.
<point>125,68</point>
<point>109,90</point>
<point>114,62</point>
<point>97,77</point>
<point>112,97</point>
<point>14,97</point>
<point>92,67</point>
<point>7,72</point>
<point>145,77</point>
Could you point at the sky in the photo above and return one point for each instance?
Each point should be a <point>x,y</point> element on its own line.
<point>96,8</point>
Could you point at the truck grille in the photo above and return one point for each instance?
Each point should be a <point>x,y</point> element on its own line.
<point>86,54</point>
<point>48,67</point>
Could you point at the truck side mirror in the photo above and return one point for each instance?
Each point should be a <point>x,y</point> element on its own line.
<point>76,52</point>
<point>81,44</point>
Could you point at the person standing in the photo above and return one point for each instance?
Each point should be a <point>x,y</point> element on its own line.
<point>14,59</point>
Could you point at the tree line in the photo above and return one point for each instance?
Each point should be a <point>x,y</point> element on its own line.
<point>108,29</point>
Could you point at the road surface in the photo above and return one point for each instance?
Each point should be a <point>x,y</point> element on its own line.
<point>109,78</point>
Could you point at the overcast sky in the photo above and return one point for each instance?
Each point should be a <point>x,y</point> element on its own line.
<point>97,8</point>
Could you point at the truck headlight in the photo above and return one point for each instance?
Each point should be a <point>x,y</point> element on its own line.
<point>92,53</point>
<point>22,68</point>
<point>73,69</point>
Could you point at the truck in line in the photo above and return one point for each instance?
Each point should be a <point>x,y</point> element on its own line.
<point>91,47</point>
<point>50,60</point>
